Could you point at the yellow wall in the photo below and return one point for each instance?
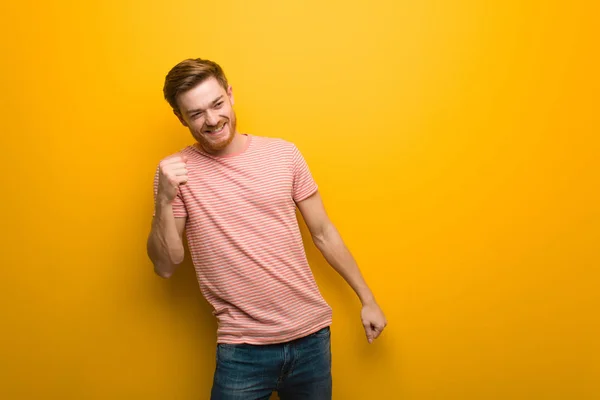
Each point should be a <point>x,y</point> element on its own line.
<point>455,143</point>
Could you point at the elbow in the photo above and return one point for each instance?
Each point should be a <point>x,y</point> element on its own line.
<point>322,241</point>
<point>164,273</point>
<point>325,234</point>
<point>165,268</point>
<point>319,240</point>
<point>177,256</point>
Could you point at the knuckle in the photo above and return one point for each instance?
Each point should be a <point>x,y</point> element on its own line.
<point>169,160</point>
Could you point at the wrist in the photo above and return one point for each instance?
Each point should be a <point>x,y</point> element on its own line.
<point>367,299</point>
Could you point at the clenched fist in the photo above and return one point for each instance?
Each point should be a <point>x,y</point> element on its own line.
<point>172,172</point>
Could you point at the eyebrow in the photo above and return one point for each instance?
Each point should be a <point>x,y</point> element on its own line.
<point>215,101</point>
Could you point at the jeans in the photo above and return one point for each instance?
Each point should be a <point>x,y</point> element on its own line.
<point>298,369</point>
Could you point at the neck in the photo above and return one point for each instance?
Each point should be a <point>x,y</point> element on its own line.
<point>236,146</point>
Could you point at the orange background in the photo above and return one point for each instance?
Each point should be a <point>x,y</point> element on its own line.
<point>456,147</point>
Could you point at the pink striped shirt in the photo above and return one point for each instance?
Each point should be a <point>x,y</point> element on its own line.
<point>245,242</point>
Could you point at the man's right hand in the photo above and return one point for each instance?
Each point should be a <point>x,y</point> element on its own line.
<point>172,172</point>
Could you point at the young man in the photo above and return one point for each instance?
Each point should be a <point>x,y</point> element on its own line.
<point>235,195</point>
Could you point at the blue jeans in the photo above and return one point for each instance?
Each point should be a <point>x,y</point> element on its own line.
<point>299,369</point>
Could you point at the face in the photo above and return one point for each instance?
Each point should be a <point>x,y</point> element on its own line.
<point>207,111</point>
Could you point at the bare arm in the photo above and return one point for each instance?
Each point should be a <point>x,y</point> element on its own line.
<point>165,244</point>
<point>329,242</point>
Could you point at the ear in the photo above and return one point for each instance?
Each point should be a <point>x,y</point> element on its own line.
<point>230,94</point>
<point>180,117</point>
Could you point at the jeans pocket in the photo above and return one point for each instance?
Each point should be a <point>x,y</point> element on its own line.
<point>225,351</point>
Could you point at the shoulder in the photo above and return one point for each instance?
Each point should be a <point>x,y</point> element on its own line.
<point>274,146</point>
<point>272,142</point>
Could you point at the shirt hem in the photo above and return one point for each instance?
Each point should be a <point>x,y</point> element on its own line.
<point>275,340</point>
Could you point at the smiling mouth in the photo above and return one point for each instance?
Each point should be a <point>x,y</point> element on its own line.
<point>216,129</point>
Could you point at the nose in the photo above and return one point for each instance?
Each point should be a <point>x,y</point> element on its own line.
<point>211,118</point>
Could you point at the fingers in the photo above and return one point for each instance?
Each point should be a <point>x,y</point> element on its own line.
<point>373,331</point>
<point>181,179</point>
<point>176,175</point>
<point>177,165</point>
<point>173,173</point>
<point>370,332</point>
<point>377,331</point>
<point>173,162</point>
<point>175,169</point>
<point>179,171</point>
<point>176,158</point>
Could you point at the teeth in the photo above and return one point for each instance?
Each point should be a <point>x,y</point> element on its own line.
<point>215,130</point>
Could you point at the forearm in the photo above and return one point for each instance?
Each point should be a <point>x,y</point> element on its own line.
<point>331,245</point>
<point>165,247</point>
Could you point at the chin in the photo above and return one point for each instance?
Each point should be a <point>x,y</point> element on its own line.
<point>215,145</point>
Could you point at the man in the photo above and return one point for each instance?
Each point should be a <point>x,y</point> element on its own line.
<point>235,195</point>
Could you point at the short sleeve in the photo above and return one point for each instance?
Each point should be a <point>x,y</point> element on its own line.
<point>303,183</point>
<point>179,210</point>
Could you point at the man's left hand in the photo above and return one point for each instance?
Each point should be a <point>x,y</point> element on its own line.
<point>373,321</point>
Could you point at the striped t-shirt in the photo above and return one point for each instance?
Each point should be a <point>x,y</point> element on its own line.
<point>245,242</point>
